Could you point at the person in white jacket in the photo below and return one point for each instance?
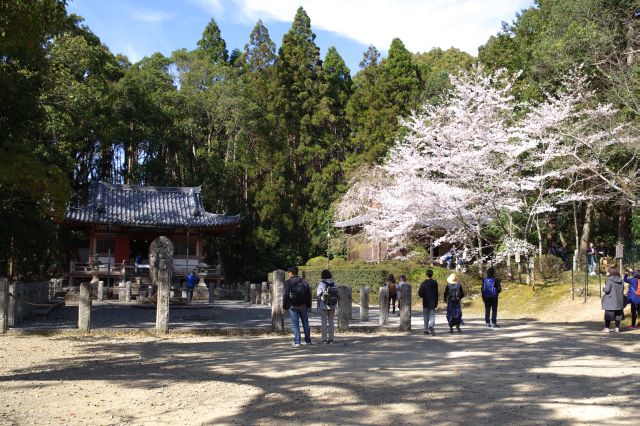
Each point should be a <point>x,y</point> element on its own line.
<point>326,306</point>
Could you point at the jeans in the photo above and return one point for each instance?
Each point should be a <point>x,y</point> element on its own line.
<point>392,303</point>
<point>592,264</point>
<point>300,314</point>
<point>635,310</point>
<point>491,306</point>
<point>327,316</point>
<point>429,318</point>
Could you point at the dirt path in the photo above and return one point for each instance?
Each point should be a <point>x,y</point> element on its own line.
<point>524,373</point>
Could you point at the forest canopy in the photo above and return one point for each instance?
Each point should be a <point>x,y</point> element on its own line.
<point>272,133</point>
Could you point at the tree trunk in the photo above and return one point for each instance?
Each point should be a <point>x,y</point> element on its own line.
<point>586,227</point>
<point>539,232</point>
<point>624,225</point>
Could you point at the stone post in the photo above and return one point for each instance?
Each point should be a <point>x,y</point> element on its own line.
<point>384,305</point>
<point>127,291</point>
<point>4,305</point>
<point>252,293</point>
<point>212,289</point>
<point>344,305</point>
<point>247,291</point>
<point>161,272</point>
<point>405,308</point>
<point>258,294</point>
<point>364,303</point>
<point>265,293</point>
<point>84,306</point>
<point>350,305</point>
<point>277,316</point>
<point>11,309</point>
<point>100,290</point>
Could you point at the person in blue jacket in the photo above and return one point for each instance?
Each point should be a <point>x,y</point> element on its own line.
<point>192,281</point>
<point>634,299</point>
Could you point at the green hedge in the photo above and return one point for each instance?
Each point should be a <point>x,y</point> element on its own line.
<point>375,276</point>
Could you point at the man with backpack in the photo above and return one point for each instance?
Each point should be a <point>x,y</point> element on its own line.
<point>297,299</point>
<point>327,300</point>
<point>490,290</point>
<point>429,293</point>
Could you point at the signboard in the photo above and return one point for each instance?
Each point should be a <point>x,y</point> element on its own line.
<point>517,257</point>
<point>619,251</point>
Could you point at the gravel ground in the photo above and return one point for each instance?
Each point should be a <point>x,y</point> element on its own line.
<point>527,372</point>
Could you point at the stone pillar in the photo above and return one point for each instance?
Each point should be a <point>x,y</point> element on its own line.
<point>84,307</point>
<point>121,291</point>
<point>344,307</point>
<point>252,293</point>
<point>350,305</point>
<point>161,272</point>
<point>11,309</point>
<point>384,305</point>
<point>265,293</point>
<point>162,306</point>
<point>364,303</point>
<point>405,308</point>
<point>127,291</point>
<point>100,290</point>
<point>212,289</point>
<point>247,291</point>
<point>4,305</point>
<point>277,316</point>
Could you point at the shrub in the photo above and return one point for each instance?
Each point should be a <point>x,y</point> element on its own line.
<point>549,267</point>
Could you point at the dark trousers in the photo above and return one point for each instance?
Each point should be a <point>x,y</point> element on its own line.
<point>392,303</point>
<point>189,294</point>
<point>491,307</point>
<point>635,310</point>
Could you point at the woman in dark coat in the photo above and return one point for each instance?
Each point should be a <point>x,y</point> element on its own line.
<point>613,300</point>
<point>452,295</point>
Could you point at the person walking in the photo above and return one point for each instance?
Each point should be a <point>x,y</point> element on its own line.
<point>192,280</point>
<point>591,258</point>
<point>297,299</point>
<point>393,292</point>
<point>327,300</point>
<point>613,300</point>
<point>453,294</point>
<point>429,293</point>
<point>491,288</point>
<point>633,293</point>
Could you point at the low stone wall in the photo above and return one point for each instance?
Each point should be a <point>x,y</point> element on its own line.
<point>21,295</point>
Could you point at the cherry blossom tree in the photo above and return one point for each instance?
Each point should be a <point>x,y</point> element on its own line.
<point>479,156</point>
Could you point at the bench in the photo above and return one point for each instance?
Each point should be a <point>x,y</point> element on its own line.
<point>43,309</point>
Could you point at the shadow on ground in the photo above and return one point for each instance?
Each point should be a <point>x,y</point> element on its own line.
<point>525,373</point>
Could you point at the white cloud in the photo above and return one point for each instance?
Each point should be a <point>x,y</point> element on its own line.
<point>214,7</point>
<point>132,53</point>
<point>150,16</point>
<point>420,24</point>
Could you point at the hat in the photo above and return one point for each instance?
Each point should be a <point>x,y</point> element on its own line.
<point>453,278</point>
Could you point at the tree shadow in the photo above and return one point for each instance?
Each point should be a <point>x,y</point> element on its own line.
<point>526,372</point>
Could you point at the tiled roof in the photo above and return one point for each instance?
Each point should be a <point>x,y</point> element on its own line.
<point>148,206</point>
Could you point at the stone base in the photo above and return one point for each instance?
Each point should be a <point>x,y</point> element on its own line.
<point>201,293</point>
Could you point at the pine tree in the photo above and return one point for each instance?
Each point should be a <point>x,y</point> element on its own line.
<point>212,43</point>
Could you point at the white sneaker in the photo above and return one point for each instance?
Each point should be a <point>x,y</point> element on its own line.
<point>605,330</point>
<point>296,345</point>
<point>617,330</point>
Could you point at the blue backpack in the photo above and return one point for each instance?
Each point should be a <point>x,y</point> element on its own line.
<point>489,287</point>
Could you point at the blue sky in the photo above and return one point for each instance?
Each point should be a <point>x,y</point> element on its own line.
<point>138,28</point>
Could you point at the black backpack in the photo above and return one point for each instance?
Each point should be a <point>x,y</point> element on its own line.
<point>332,294</point>
<point>298,294</point>
<point>454,293</point>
